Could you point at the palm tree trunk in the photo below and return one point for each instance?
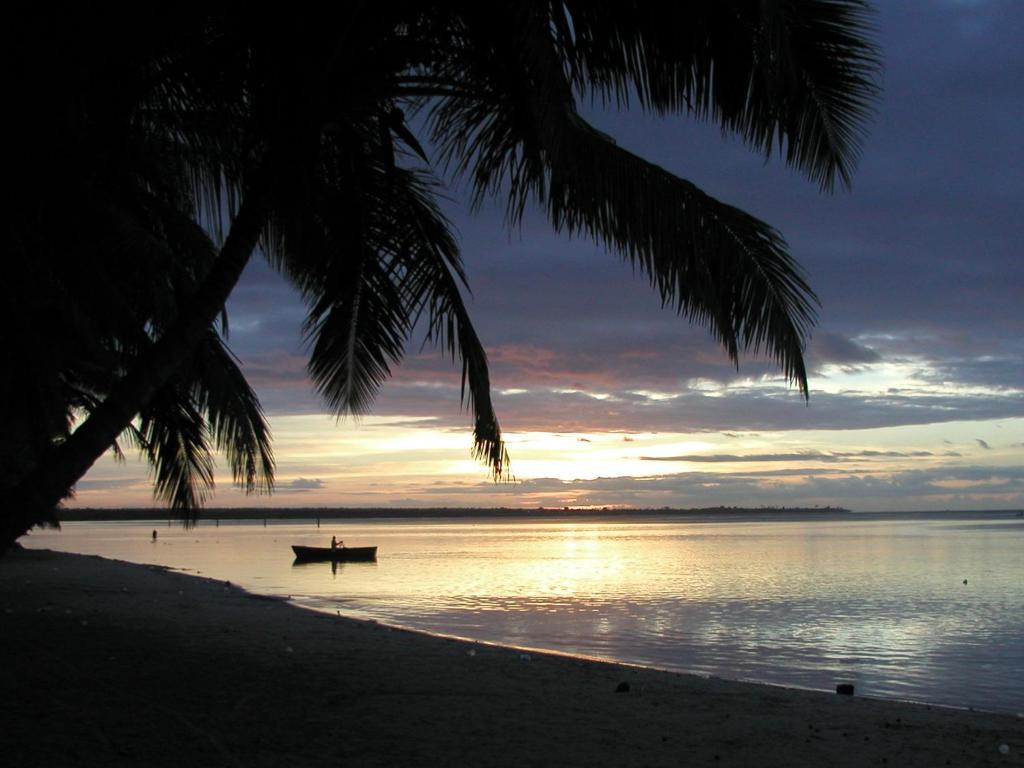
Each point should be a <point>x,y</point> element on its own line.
<point>33,499</point>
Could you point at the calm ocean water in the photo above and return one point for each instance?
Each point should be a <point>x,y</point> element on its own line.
<point>876,600</point>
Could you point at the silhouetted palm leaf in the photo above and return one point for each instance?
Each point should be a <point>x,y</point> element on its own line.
<point>797,75</point>
<point>432,279</point>
<point>235,418</point>
<point>368,265</point>
<point>209,406</point>
<point>520,134</point>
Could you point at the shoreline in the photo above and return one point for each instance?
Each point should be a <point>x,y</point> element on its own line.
<point>116,663</point>
<point>231,514</point>
<point>620,663</point>
<point>276,515</point>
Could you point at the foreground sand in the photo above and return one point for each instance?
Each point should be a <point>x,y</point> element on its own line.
<point>108,663</point>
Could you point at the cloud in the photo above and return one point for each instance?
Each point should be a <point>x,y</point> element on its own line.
<point>111,484</point>
<point>983,444</point>
<point>1003,371</point>
<point>935,488</point>
<point>829,347</point>
<point>753,406</point>
<point>276,367</point>
<point>799,456</point>
<point>301,485</point>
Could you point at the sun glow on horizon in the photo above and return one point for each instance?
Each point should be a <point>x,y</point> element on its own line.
<point>399,461</point>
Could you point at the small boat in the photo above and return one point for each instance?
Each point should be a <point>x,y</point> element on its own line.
<point>335,554</point>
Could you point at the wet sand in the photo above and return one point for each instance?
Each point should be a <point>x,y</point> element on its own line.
<point>109,663</point>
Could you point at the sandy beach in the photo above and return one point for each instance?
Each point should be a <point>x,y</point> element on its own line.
<point>110,663</point>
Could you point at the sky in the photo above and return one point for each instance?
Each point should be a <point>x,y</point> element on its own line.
<point>606,399</point>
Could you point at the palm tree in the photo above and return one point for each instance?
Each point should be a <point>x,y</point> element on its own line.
<point>294,130</point>
<point>104,251</point>
<point>84,324</point>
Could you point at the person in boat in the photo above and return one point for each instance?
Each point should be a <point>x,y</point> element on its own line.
<point>335,543</point>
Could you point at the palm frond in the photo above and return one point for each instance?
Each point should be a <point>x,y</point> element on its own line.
<point>801,76</point>
<point>370,251</point>
<point>234,416</point>
<point>356,335</point>
<point>207,405</point>
<point>173,435</point>
<point>718,266</point>
<point>431,279</point>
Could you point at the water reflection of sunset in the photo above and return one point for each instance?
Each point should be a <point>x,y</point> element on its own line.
<point>795,602</point>
<point>582,563</point>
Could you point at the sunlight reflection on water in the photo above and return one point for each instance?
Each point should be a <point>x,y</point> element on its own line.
<point>878,601</point>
